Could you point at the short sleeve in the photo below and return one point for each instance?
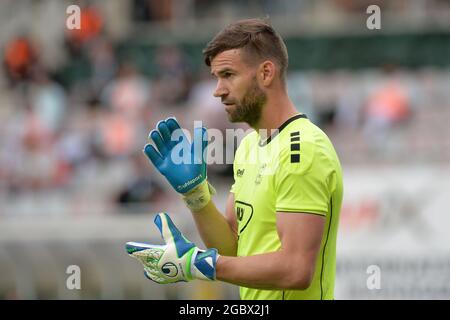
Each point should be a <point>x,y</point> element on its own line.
<point>301,182</point>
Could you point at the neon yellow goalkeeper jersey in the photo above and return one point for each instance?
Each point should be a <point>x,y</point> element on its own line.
<point>294,170</point>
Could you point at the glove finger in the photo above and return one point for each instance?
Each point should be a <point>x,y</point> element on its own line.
<point>172,124</point>
<point>205,143</point>
<point>146,253</point>
<point>147,275</point>
<point>199,145</point>
<point>154,276</point>
<point>165,134</point>
<point>153,155</point>
<point>171,234</point>
<point>175,130</point>
<point>205,140</point>
<point>133,247</point>
<point>159,143</point>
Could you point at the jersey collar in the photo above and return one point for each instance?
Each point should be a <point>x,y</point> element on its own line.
<point>284,125</point>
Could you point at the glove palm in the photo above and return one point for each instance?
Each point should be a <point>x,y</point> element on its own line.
<point>181,162</point>
<point>178,260</point>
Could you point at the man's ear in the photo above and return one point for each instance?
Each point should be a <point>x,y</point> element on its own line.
<point>267,73</point>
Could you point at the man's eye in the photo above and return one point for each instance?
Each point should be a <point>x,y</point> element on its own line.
<point>227,74</point>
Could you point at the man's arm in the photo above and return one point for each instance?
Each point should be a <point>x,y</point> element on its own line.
<point>218,231</point>
<point>189,179</point>
<point>291,267</point>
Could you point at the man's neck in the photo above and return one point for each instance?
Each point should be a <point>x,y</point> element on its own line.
<point>276,111</point>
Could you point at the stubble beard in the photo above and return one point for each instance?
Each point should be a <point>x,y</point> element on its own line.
<point>249,109</point>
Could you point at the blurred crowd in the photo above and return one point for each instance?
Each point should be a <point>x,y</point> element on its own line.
<point>83,140</point>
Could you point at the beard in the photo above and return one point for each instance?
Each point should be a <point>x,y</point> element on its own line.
<point>249,109</point>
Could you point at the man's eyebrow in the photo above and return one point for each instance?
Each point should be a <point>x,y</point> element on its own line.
<point>224,70</point>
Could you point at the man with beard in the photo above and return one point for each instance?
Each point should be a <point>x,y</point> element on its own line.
<point>277,239</point>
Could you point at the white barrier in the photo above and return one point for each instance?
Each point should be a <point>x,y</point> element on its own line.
<point>398,220</point>
<point>394,220</point>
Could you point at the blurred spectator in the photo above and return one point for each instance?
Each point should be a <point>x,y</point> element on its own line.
<point>103,64</point>
<point>19,56</point>
<point>349,103</point>
<point>173,76</point>
<point>325,90</point>
<point>129,93</point>
<point>87,55</point>
<point>300,91</point>
<point>361,5</point>
<point>118,137</point>
<point>91,24</point>
<point>37,164</point>
<point>152,10</point>
<point>385,109</point>
<point>127,100</point>
<point>78,143</point>
<point>48,101</point>
<point>142,188</point>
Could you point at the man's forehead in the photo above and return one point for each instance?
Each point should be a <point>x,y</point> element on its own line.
<point>226,59</point>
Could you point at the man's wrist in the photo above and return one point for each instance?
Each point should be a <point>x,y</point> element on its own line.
<point>204,264</point>
<point>199,197</point>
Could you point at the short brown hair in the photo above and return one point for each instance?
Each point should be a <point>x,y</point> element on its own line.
<point>256,37</point>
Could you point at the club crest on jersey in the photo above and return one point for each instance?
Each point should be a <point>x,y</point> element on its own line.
<point>244,213</point>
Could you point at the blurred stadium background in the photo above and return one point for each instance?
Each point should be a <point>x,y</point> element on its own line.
<point>76,107</point>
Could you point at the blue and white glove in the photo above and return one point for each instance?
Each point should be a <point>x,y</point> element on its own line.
<point>177,260</point>
<point>182,163</point>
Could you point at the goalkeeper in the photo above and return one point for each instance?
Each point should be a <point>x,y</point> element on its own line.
<point>277,238</point>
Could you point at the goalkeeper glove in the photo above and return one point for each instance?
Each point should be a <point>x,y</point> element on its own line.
<point>178,260</point>
<point>188,176</point>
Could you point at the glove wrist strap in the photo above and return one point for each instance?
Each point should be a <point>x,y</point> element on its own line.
<point>204,264</point>
<point>199,197</point>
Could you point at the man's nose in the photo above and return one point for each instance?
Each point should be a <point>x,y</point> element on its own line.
<point>220,90</point>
